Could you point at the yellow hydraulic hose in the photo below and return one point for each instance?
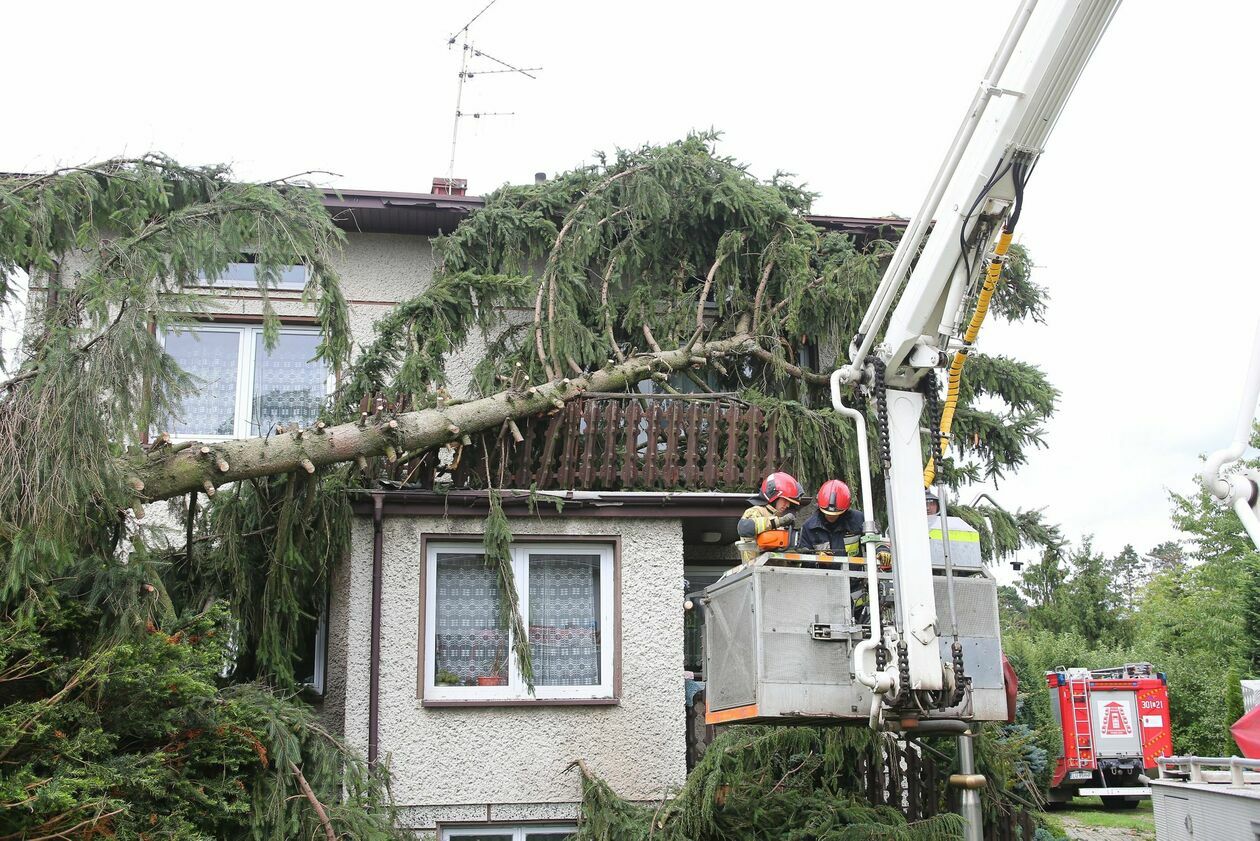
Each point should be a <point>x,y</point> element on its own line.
<point>960,357</point>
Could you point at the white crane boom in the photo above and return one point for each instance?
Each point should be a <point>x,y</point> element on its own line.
<point>972,203</point>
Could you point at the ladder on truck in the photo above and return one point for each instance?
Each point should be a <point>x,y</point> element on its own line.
<point>1082,725</point>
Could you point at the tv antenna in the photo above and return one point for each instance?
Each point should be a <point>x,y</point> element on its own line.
<point>469,50</point>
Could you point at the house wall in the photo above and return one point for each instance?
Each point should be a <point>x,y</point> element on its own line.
<point>377,271</point>
<point>508,763</point>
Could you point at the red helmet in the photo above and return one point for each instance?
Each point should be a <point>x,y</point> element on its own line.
<point>834,497</point>
<point>781,486</point>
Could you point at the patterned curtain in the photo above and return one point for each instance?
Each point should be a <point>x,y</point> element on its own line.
<point>470,641</point>
<point>564,633</point>
<point>211,357</point>
<point>289,387</point>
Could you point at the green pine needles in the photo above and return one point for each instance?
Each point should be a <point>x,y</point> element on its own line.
<point>497,542</point>
<point>115,639</point>
<point>789,783</point>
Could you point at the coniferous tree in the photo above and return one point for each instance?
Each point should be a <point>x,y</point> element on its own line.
<point>114,718</point>
<point>1041,584</point>
<point>1128,573</point>
<point>1092,602</point>
<point>1168,556</point>
<point>657,264</point>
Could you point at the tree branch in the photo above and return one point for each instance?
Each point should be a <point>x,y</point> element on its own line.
<point>816,281</point>
<point>651,340</point>
<point>173,473</point>
<point>761,285</point>
<point>547,282</point>
<point>795,370</point>
<point>695,378</point>
<point>538,330</point>
<point>34,372</point>
<point>608,324</point>
<point>288,178</point>
<point>551,324</point>
<point>704,292</point>
<point>315,804</point>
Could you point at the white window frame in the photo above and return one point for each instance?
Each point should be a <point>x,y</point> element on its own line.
<point>517,832</point>
<point>245,357</point>
<point>516,690</point>
<point>229,282</point>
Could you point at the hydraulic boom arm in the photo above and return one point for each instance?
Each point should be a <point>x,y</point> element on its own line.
<point>957,244</point>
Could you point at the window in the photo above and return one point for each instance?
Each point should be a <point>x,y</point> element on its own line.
<point>243,275</point>
<point>566,593</point>
<point>243,388</point>
<point>493,832</point>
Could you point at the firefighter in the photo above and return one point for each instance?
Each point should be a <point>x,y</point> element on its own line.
<point>933,504</point>
<point>771,509</point>
<point>835,527</point>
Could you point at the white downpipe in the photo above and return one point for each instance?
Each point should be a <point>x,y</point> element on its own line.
<point>908,248</point>
<point>1218,485</point>
<point>881,683</point>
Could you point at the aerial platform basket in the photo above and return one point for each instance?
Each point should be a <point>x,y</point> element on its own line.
<point>778,642</point>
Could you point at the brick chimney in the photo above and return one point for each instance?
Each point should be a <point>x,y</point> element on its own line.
<point>443,186</point>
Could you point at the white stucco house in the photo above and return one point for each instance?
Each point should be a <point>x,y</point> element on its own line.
<point>412,665</point>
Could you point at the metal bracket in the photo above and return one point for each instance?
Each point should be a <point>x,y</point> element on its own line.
<point>926,356</point>
<point>926,635</point>
<point>833,631</point>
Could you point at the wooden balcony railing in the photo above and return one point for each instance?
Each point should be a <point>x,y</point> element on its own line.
<point>614,442</point>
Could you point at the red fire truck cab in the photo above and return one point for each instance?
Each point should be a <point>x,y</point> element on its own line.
<point>1115,725</point>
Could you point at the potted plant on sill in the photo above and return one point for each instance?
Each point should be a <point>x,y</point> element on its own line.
<point>497,676</point>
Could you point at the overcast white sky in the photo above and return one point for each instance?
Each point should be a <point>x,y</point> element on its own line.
<point>1140,214</point>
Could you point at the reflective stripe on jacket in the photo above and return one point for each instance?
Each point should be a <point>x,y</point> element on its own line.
<point>843,537</point>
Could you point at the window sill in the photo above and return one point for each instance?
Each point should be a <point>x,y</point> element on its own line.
<point>521,702</point>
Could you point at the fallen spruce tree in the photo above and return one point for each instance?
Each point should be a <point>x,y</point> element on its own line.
<point>664,264</point>
<point>810,783</point>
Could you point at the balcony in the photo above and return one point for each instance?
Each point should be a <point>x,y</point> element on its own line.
<point>613,442</point>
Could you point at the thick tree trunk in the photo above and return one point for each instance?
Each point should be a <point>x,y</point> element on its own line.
<point>201,467</point>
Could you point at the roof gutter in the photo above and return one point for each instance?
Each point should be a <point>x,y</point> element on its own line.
<point>374,658</point>
<point>567,496</point>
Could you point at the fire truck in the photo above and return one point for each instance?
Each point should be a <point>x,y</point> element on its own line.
<point>1115,725</point>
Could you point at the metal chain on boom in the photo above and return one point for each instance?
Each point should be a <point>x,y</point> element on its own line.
<point>881,412</point>
<point>880,390</point>
<point>903,674</point>
<point>932,397</point>
<point>961,681</point>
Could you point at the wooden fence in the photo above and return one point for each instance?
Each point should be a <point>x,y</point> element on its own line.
<point>614,442</point>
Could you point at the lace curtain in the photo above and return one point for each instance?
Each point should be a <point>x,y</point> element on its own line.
<point>288,386</point>
<point>564,632</point>
<point>469,640</point>
<point>211,357</point>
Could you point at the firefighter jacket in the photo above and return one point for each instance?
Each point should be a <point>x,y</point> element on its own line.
<point>843,537</point>
<point>756,519</point>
